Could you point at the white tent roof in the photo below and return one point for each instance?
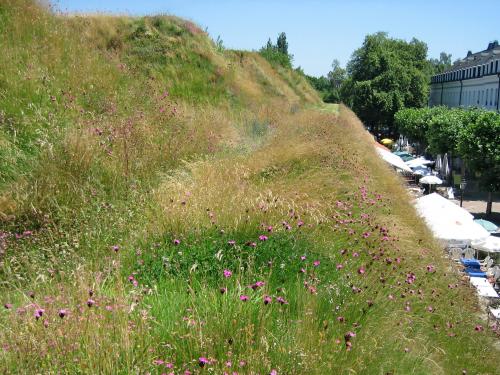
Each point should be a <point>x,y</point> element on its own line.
<point>490,245</point>
<point>443,207</point>
<point>449,222</point>
<point>421,161</point>
<point>392,159</point>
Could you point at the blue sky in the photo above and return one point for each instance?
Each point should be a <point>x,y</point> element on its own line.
<point>319,31</point>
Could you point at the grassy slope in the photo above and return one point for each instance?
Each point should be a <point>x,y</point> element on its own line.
<point>95,154</point>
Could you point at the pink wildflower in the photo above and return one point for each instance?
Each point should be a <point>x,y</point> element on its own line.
<point>39,313</point>
<point>227,273</point>
<point>262,237</point>
<point>267,300</point>
<point>243,298</point>
<point>281,300</point>
<point>202,361</point>
<point>316,263</point>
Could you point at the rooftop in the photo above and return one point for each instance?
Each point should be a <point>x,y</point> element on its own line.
<point>491,53</point>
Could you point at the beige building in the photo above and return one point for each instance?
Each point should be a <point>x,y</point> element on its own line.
<point>471,82</point>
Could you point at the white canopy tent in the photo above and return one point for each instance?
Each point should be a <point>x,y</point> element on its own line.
<point>418,162</point>
<point>442,205</point>
<point>449,222</point>
<point>489,245</point>
<point>392,159</point>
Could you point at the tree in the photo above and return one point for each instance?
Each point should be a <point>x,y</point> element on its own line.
<point>441,64</point>
<point>329,86</point>
<point>384,76</point>
<point>479,145</point>
<point>277,54</point>
<point>443,130</point>
<point>282,44</point>
<point>337,75</point>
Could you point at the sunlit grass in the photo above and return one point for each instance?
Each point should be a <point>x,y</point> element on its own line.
<point>173,207</point>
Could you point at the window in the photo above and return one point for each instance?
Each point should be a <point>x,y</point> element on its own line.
<point>496,69</point>
<point>491,67</point>
<point>487,93</point>
<point>474,72</point>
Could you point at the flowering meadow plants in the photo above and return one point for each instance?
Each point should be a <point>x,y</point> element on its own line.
<point>171,208</point>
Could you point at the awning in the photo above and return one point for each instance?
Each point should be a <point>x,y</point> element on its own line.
<point>449,222</point>
<point>490,245</point>
<point>392,159</point>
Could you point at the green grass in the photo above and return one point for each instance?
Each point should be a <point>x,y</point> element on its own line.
<point>120,135</point>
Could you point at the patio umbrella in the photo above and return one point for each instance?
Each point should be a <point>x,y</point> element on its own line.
<point>392,159</point>
<point>387,141</point>
<point>418,162</point>
<point>439,163</point>
<point>488,225</point>
<point>490,245</point>
<point>446,166</point>
<point>431,180</point>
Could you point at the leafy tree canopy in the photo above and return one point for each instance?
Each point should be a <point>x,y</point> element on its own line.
<point>384,76</point>
<point>277,54</point>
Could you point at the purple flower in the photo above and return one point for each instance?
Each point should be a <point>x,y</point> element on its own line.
<point>366,234</point>
<point>273,372</point>
<point>430,268</point>
<point>202,361</point>
<point>269,228</point>
<point>177,242</point>
<point>243,298</point>
<point>8,306</point>
<point>303,257</point>
<point>223,290</point>
<point>227,273</point>
<point>231,242</point>
<point>281,300</point>
<point>257,285</point>
<point>39,313</point>
<point>478,328</point>
<point>340,266</point>
<point>267,300</point>
<point>90,302</point>
<point>115,248</point>
<point>355,254</point>
<point>410,278</point>
<point>263,237</point>
<point>300,223</point>
<point>62,313</point>
<point>316,263</point>
<point>361,270</point>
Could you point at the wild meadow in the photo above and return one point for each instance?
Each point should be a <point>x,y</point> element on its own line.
<point>171,207</point>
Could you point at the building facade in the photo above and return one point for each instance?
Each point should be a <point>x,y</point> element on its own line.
<point>471,82</point>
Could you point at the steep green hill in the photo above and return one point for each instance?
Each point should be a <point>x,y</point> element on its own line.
<point>168,206</point>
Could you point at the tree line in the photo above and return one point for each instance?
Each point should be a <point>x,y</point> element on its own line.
<point>473,134</point>
<point>383,76</point>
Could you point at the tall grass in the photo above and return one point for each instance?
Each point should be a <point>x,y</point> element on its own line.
<point>171,207</point>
